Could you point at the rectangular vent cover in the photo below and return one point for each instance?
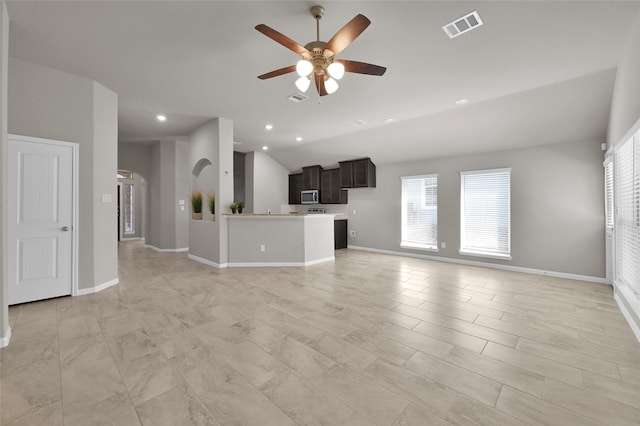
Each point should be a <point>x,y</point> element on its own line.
<point>297,97</point>
<point>463,25</point>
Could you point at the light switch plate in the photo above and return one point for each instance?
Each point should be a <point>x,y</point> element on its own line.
<point>106,198</point>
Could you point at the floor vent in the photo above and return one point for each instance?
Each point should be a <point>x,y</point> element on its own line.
<point>463,25</point>
<point>297,97</point>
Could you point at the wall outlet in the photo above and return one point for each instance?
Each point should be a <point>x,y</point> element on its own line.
<point>353,234</point>
<point>354,211</point>
<point>262,248</point>
<point>443,245</point>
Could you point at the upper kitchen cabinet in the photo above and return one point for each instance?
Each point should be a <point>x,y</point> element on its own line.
<point>358,173</point>
<point>311,177</point>
<point>295,187</point>
<point>330,190</point>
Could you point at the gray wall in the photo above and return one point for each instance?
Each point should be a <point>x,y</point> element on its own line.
<point>625,104</point>
<point>267,186</point>
<point>52,104</point>
<point>212,143</point>
<point>557,207</point>
<point>137,158</point>
<point>4,282</point>
<point>164,164</point>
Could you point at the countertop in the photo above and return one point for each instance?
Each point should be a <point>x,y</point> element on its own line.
<point>336,216</point>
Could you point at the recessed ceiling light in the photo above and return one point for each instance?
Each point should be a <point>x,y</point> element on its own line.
<point>298,139</point>
<point>462,101</point>
<point>389,120</point>
<point>268,126</point>
<point>264,148</point>
<point>161,117</point>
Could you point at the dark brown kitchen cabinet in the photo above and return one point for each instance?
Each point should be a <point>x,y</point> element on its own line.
<point>339,234</point>
<point>295,187</point>
<point>311,177</point>
<point>358,173</point>
<point>331,191</point>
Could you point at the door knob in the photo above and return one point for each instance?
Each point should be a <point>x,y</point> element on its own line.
<point>65,228</point>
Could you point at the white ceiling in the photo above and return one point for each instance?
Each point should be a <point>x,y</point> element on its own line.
<point>535,73</point>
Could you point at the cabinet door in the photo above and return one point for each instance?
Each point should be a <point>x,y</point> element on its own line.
<point>295,186</point>
<point>361,173</point>
<point>346,174</point>
<point>340,234</point>
<point>326,187</point>
<point>311,177</point>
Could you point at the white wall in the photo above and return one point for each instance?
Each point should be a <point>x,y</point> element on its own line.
<point>51,104</point>
<point>557,207</point>
<point>267,186</point>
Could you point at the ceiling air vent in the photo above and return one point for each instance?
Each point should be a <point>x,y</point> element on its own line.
<point>463,25</point>
<point>358,123</point>
<point>297,97</point>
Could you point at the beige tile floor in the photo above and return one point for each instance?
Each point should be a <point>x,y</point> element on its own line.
<point>369,339</point>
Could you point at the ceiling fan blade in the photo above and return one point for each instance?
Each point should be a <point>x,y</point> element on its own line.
<point>320,84</point>
<point>282,39</point>
<point>362,67</point>
<point>347,34</point>
<point>276,73</point>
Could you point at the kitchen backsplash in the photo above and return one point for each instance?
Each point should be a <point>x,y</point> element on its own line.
<point>328,208</point>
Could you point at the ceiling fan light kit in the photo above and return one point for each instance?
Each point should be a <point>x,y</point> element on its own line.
<point>318,57</point>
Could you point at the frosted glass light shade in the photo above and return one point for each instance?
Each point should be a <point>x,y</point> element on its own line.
<point>303,68</point>
<point>336,70</point>
<point>303,84</point>
<point>330,85</point>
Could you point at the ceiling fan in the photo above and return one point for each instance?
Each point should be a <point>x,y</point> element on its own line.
<point>319,58</point>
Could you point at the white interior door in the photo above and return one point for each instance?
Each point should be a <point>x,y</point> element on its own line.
<point>40,219</point>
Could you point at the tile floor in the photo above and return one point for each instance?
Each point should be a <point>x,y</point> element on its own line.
<point>369,339</point>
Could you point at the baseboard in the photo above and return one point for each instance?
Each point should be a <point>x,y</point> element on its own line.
<point>207,261</point>
<point>131,239</point>
<point>178,250</point>
<point>511,268</point>
<point>4,341</point>
<point>98,288</point>
<point>278,264</point>
<point>627,302</point>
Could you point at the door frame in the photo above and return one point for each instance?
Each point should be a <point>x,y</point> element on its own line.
<point>74,196</point>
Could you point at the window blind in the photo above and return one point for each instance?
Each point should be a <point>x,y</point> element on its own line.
<point>420,212</point>
<point>485,213</point>
<point>627,213</point>
<point>608,193</point>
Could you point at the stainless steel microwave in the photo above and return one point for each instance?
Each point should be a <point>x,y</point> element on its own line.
<point>309,197</point>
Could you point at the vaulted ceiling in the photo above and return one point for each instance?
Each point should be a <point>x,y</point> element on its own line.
<point>535,73</point>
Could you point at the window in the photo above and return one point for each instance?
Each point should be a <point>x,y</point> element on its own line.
<point>627,214</point>
<point>128,201</point>
<point>485,213</point>
<point>420,212</point>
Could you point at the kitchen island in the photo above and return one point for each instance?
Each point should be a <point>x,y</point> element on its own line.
<point>280,239</point>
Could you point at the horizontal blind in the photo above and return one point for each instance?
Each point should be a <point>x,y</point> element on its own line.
<point>486,212</point>
<point>627,208</point>
<point>608,194</point>
<point>420,211</point>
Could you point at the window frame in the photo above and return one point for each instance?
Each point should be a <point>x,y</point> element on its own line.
<point>464,249</point>
<point>405,242</point>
